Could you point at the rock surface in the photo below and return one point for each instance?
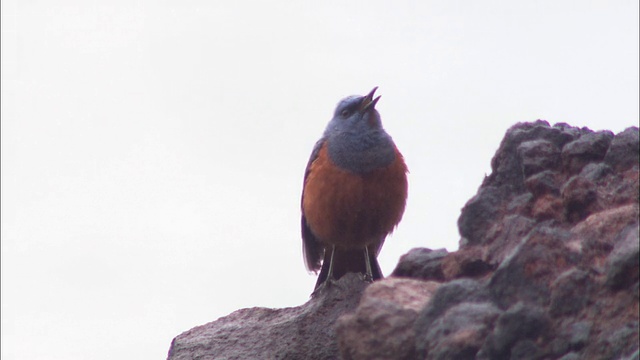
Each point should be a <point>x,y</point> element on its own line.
<point>547,269</point>
<point>261,333</point>
<point>382,325</point>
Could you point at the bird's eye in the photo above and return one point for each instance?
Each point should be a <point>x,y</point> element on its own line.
<point>345,113</point>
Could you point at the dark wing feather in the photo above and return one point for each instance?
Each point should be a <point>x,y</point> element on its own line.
<point>311,248</point>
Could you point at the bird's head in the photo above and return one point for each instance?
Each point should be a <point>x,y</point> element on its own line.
<point>355,137</point>
<point>356,114</point>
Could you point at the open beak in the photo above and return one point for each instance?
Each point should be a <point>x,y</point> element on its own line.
<point>369,102</point>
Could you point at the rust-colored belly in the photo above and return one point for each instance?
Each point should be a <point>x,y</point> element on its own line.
<point>351,210</point>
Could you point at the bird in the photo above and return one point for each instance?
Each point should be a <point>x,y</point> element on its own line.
<point>354,193</point>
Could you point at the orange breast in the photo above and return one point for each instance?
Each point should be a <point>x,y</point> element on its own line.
<point>351,210</point>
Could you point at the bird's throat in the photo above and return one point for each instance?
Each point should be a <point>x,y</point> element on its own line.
<point>361,154</point>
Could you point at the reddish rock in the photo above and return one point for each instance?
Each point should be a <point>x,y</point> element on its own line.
<point>521,327</point>
<point>538,155</point>
<point>548,207</point>
<point>421,263</point>
<point>304,332</point>
<point>460,332</point>
<point>525,275</point>
<point>622,189</point>
<point>448,295</point>
<point>502,235</point>
<point>570,292</point>
<point>382,325</point>
<point>571,337</point>
<point>479,213</point>
<point>622,262</point>
<point>624,151</point>
<point>468,262</point>
<point>596,171</point>
<point>545,182</point>
<point>578,196</point>
<point>594,238</point>
<point>587,148</point>
<point>506,166</point>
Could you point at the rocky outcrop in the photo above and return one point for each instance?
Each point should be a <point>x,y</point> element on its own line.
<point>382,325</point>
<point>548,261</point>
<point>261,333</point>
<point>547,269</point>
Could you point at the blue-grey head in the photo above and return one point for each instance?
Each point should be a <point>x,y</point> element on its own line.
<point>355,137</point>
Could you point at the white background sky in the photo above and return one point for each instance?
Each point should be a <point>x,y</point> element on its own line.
<point>153,151</point>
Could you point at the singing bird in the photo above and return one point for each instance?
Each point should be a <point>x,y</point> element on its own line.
<point>354,193</point>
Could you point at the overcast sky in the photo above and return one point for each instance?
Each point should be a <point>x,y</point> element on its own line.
<point>153,151</point>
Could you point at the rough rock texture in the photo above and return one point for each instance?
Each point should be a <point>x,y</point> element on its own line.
<point>304,332</point>
<point>382,325</point>
<point>553,238</point>
<point>547,269</point>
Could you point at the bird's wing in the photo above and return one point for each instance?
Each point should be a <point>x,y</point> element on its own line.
<point>312,249</point>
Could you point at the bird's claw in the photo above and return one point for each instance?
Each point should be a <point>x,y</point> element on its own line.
<point>326,284</point>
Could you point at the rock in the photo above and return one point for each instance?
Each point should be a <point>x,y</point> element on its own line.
<point>521,322</point>
<point>578,194</point>
<point>519,204</point>
<point>615,344</point>
<point>570,356</point>
<point>526,350</point>
<point>548,207</point>
<point>595,172</point>
<point>525,275</point>
<point>622,190</point>
<point>447,296</point>
<point>624,151</point>
<point>544,182</point>
<point>469,262</point>
<point>459,333</point>
<point>382,325</point>
<point>570,292</point>
<point>478,213</point>
<point>623,263</point>
<point>587,148</point>
<point>421,263</point>
<point>501,235</point>
<point>538,155</point>
<point>506,167</point>
<point>594,237</point>
<point>304,332</point>
<point>571,337</point>
<point>574,131</point>
<point>634,356</point>
<point>579,334</point>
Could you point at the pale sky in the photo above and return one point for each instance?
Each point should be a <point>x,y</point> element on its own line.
<point>153,151</point>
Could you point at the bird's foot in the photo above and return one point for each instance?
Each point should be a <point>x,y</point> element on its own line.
<point>367,278</point>
<point>325,285</point>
